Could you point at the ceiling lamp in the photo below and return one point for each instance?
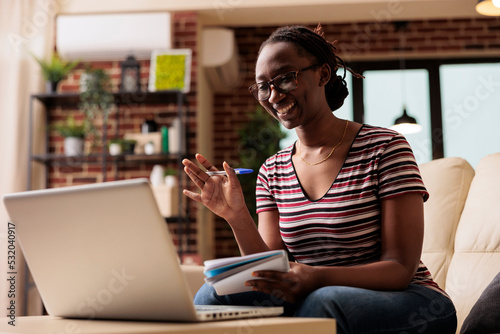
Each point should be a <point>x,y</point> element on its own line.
<point>488,7</point>
<point>405,124</point>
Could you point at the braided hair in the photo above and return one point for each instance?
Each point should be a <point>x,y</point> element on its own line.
<point>312,43</point>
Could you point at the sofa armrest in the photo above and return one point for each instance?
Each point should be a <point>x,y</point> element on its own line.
<point>194,277</point>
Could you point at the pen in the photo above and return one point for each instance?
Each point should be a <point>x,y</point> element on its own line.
<point>236,170</point>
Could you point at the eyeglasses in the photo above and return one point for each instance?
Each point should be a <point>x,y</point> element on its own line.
<point>283,83</point>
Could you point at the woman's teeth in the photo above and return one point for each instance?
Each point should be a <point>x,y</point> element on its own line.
<point>286,109</point>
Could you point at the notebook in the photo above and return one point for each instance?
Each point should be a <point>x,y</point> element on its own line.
<point>103,251</point>
<point>229,275</point>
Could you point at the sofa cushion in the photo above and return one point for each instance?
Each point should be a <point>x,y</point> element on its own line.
<point>476,260</point>
<point>485,316</point>
<point>194,277</point>
<point>447,180</point>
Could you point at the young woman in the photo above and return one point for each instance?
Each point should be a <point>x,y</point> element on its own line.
<point>345,201</point>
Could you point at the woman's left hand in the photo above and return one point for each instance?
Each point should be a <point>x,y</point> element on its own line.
<point>291,286</point>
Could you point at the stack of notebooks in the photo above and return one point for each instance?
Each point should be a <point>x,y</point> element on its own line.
<point>228,275</point>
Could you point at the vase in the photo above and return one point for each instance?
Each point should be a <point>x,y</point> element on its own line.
<point>128,147</point>
<point>115,149</point>
<point>51,86</point>
<point>73,146</point>
<point>156,177</point>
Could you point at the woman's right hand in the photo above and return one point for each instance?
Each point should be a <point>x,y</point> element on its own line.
<point>221,194</point>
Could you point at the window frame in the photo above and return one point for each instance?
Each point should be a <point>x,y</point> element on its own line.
<point>432,65</point>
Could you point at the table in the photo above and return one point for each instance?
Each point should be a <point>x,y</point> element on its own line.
<point>273,325</point>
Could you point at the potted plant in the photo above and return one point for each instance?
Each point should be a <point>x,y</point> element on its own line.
<point>166,190</point>
<point>115,146</point>
<point>170,175</point>
<point>259,139</point>
<point>129,146</point>
<point>73,134</point>
<point>96,102</point>
<point>54,70</point>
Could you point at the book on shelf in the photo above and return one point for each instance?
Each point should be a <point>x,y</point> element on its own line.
<point>228,275</point>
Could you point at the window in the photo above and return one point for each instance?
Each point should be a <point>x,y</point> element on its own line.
<point>385,93</point>
<point>457,101</point>
<point>470,96</point>
<point>462,99</point>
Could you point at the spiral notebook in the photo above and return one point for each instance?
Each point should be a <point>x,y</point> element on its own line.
<point>229,275</point>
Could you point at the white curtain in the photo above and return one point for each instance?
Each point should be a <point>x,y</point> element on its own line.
<point>26,26</point>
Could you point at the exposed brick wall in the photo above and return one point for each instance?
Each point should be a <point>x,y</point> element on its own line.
<point>436,38</point>
<point>185,27</point>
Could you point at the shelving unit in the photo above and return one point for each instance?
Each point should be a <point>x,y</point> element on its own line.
<point>122,100</point>
<point>104,159</point>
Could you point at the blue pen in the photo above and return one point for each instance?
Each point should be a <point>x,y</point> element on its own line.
<point>236,170</point>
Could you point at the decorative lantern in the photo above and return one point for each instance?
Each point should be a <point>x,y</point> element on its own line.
<point>131,75</point>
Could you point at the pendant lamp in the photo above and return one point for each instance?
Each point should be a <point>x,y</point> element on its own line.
<point>488,7</point>
<point>405,124</point>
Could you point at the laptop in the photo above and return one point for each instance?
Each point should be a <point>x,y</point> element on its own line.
<point>103,251</point>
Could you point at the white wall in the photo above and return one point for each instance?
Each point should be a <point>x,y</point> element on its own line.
<point>264,12</point>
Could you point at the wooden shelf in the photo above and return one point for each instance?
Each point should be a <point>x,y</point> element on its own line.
<point>97,158</point>
<point>121,98</point>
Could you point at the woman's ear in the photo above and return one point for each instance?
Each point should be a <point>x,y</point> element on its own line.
<point>325,73</point>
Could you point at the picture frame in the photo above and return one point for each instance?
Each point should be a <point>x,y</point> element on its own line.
<point>170,70</point>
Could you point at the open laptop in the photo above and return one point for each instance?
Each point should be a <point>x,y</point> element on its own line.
<point>103,251</point>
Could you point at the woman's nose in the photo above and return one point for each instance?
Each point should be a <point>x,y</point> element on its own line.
<point>275,95</point>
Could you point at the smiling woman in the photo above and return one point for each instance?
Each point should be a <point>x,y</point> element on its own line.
<point>344,112</point>
<point>345,201</point>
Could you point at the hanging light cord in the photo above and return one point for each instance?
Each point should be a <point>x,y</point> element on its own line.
<point>402,66</point>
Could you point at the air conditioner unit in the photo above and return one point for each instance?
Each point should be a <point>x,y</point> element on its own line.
<point>112,36</point>
<point>220,59</point>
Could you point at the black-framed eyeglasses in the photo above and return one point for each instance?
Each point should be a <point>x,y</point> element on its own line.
<point>283,83</point>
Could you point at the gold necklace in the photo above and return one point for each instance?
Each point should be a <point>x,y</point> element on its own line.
<point>331,152</point>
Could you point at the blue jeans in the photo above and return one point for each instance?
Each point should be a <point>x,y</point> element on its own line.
<point>417,309</point>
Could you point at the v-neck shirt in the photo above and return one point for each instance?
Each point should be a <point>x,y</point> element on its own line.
<point>342,228</point>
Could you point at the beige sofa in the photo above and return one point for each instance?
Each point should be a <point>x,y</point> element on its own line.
<point>462,229</point>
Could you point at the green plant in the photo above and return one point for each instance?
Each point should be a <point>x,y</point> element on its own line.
<point>128,145</point>
<point>115,141</point>
<point>55,69</point>
<point>259,139</point>
<point>70,128</point>
<point>96,101</point>
<point>129,141</point>
<point>170,171</point>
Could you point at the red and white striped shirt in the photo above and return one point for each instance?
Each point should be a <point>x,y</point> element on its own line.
<point>343,227</point>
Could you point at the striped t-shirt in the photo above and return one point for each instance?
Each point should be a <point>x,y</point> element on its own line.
<point>343,227</point>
